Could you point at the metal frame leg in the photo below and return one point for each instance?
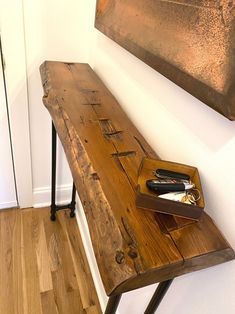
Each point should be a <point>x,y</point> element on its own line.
<point>53,173</point>
<point>54,207</point>
<point>73,202</point>
<point>112,305</point>
<point>158,296</point>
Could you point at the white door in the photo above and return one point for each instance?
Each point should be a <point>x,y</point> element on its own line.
<point>13,47</point>
<point>8,196</point>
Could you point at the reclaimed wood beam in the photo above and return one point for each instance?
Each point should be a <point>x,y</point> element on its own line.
<point>133,247</point>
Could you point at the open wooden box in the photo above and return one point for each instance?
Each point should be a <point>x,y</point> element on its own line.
<point>148,199</point>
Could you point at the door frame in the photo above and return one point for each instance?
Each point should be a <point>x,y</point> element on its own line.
<point>13,47</point>
<point>8,197</point>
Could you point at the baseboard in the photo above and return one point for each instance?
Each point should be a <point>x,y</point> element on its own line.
<point>83,227</point>
<point>42,195</point>
<point>8,205</point>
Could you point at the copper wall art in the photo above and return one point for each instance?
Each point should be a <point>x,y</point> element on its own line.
<point>191,42</point>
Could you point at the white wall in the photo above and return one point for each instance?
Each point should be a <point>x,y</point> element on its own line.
<point>178,126</point>
<point>54,30</point>
<point>182,129</point>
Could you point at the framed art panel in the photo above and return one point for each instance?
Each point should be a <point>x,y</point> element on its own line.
<point>191,42</point>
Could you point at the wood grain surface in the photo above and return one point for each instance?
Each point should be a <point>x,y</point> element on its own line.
<point>104,149</point>
<point>43,265</point>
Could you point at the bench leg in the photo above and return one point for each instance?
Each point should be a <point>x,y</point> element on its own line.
<point>158,296</point>
<point>54,207</point>
<point>53,173</point>
<point>112,304</point>
<point>72,205</point>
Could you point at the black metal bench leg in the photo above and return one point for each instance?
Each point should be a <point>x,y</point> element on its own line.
<point>72,205</point>
<point>158,296</point>
<point>54,207</point>
<point>53,174</point>
<point>112,305</point>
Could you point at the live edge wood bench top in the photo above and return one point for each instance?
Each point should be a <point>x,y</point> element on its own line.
<point>133,247</point>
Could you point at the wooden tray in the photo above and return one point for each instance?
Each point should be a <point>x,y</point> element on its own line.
<point>147,199</point>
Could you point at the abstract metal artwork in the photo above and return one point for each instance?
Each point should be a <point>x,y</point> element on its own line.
<point>191,42</point>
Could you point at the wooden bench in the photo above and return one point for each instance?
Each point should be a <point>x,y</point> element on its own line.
<point>133,248</point>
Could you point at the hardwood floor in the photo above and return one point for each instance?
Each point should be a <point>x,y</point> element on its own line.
<point>43,267</point>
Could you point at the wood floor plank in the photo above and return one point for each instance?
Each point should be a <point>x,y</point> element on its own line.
<point>82,269</point>
<point>31,268</point>
<point>18,289</point>
<point>38,265</point>
<point>94,309</point>
<point>43,264</point>
<point>75,302</point>
<point>11,269</point>
<point>64,279</point>
<point>48,303</point>
<point>59,251</point>
<point>60,293</point>
<point>65,253</point>
<point>24,281</point>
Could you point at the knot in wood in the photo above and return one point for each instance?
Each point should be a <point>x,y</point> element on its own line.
<point>132,253</point>
<point>120,257</point>
<point>95,176</point>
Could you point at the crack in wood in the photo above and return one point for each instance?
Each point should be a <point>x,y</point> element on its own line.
<point>94,109</point>
<point>141,146</point>
<point>113,133</point>
<point>108,129</point>
<point>130,236</point>
<point>161,224</point>
<point>124,154</point>
<point>92,96</point>
<point>119,164</point>
<point>68,65</point>
<point>107,126</point>
<point>82,120</point>
<point>132,243</point>
<point>44,83</point>
<point>85,90</point>
<point>199,6</point>
<point>92,104</point>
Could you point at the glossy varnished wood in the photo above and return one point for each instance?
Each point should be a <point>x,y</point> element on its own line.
<point>43,265</point>
<point>133,247</point>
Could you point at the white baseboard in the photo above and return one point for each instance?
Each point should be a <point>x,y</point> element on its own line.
<point>42,195</point>
<point>83,227</point>
<point>8,205</point>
